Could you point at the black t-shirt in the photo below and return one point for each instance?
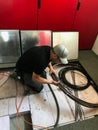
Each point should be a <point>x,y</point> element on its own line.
<point>36,59</point>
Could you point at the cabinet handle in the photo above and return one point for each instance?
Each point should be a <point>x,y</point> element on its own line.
<point>39,4</point>
<point>78,5</point>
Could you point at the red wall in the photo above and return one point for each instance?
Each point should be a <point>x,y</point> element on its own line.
<point>86,23</point>
<point>18,14</point>
<point>61,16</point>
<point>56,15</point>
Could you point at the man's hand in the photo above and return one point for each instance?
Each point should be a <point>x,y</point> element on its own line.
<point>52,70</point>
<point>38,78</point>
<point>55,82</point>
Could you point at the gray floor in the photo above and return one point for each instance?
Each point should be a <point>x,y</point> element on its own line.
<point>91,124</point>
<point>89,61</point>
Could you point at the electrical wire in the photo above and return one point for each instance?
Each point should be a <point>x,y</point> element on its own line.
<point>74,86</point>
<point>81,102</point>
<point>18,107</point>
<point>57,105</point>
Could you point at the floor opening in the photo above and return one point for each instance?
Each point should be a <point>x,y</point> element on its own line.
<point>17,123</point>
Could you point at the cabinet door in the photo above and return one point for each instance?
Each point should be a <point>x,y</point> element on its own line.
<point>87,23</point>
<point>56,15</point>
<point>5,13</point>
<point>18,14</point>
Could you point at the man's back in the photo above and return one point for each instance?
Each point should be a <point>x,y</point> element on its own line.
<point>35,60</point>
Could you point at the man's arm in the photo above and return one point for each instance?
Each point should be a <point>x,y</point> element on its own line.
<point>52,70</point>
<point>38,78</point>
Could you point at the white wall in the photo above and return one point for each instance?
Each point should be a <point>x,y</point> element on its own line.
<point>95,46</point>
<point>70,40</point>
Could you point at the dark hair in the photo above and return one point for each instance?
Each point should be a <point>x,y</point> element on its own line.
<point>53,50</point>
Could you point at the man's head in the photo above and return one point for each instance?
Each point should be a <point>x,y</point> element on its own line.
<point>60,53</point>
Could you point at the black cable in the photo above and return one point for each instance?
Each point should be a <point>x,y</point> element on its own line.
<point>82,102</point>
<point>74,86</point>
<point>77,64</point>
<point>57,105</point>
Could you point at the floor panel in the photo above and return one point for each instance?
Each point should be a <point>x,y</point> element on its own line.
<point>42,106</point>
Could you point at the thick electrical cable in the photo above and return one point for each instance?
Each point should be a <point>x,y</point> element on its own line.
<point>57,105</point>
<point>74,86</point>
<point>81,102</point>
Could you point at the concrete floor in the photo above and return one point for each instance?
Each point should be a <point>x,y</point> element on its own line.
<point>89,61</point>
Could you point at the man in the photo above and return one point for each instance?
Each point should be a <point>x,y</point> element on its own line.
<point>31,65</point>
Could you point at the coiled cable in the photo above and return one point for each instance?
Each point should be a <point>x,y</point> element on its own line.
<point>81,102</point>
<point>75,70</point>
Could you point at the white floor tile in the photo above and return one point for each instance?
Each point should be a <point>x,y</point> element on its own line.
<point>3,107</point>
<point>66,114</point>
<point>40,110</point>
<point>24,106</point>
<point>4,123</point>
